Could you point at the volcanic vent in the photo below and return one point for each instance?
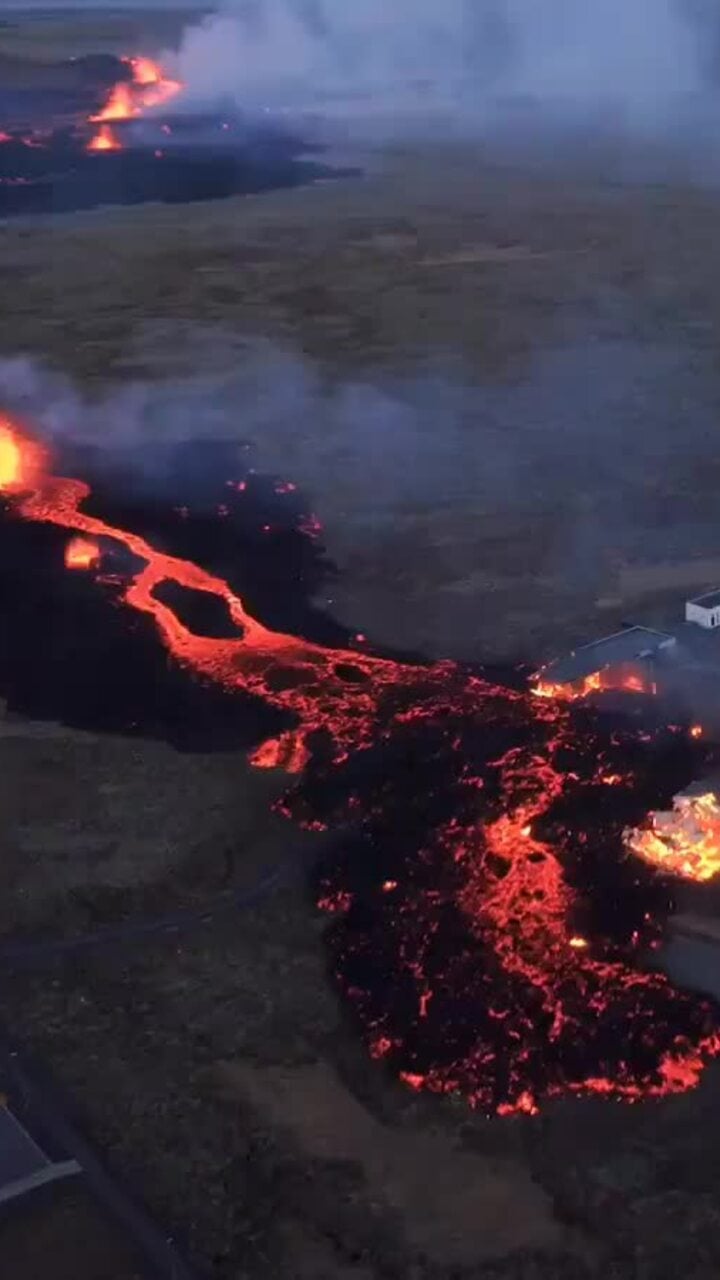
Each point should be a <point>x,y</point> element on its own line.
<point>120,132</point>
<point>488,920</point>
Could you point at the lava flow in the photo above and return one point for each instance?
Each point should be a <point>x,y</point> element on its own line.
<point>148,87</point>
<point>487,924</point>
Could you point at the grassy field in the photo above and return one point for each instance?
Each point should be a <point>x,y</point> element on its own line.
<point>56,33</point>
<point>498,387</point>
<point>435,280</point>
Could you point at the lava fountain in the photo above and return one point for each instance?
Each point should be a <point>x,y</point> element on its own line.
<point>147,87</point>
<point>104,140</point>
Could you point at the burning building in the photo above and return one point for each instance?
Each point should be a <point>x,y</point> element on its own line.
<point>622,660</point>
<point>682,663</point>
<point>680,667</point>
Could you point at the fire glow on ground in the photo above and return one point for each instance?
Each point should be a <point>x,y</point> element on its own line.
<point>488,915</point>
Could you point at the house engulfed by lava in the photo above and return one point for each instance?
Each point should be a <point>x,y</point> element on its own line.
<point>624,659</point>
<point>682,667</point>
<point>682,663</point>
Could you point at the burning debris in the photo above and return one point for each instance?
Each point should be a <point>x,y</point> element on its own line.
<point>486,924</point>
<point>82,553</point>
<point>684,841</point>
<point>127,149</point>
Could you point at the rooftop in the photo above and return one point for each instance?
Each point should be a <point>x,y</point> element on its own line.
<point>622,646</point>
<point>710,600</point>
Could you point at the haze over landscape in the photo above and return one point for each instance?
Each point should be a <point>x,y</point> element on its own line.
<point>638,55</point>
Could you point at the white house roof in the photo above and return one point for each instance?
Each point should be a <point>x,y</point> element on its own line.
<point>710,600</point>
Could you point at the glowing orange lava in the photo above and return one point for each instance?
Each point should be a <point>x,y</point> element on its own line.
<point>104,140</point>
<point>319,693</point>
<point>20,459</point>
<point>684,841</point>
<point>149,87</point>
<point>598,682</point>
<point>82,553</point>
<point>533,990</point>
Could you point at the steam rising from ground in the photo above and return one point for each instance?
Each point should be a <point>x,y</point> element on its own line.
<point>467,518</point>
<point>634,57</point>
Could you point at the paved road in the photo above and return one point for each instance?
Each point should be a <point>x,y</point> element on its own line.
<point>28,954</point>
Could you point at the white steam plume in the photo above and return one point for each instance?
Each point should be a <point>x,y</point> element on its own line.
<point>634,53</point>
<point>466,518</point>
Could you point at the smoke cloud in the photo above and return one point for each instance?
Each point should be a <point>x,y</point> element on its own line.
<point>634,57</point>
<point>472,520</point>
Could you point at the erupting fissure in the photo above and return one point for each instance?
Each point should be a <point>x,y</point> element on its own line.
<point>104,140</point>
<point>148,87</point>
<point>468,943</point>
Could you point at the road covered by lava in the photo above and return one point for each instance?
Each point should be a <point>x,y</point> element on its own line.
<point>488,921</point>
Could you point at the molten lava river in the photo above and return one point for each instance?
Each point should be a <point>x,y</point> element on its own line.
<point>489,919</point>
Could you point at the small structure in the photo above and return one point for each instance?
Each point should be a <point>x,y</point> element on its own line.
<point>704,610</point>
<point>621,649</point>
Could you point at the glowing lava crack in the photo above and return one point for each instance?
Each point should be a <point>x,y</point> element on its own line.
<point>487,920</point>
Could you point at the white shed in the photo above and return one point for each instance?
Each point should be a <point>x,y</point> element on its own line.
<point>704,610</point>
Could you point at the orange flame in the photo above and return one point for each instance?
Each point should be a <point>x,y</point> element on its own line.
<point>287,752</point>
<point>104,140</point>
<point>20,459</point>
<point>598,682</point>
<point>81,553</point>
<point>684,841</point>
<point>149,87</point>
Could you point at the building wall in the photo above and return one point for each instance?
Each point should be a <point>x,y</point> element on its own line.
<point>703,617</point>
